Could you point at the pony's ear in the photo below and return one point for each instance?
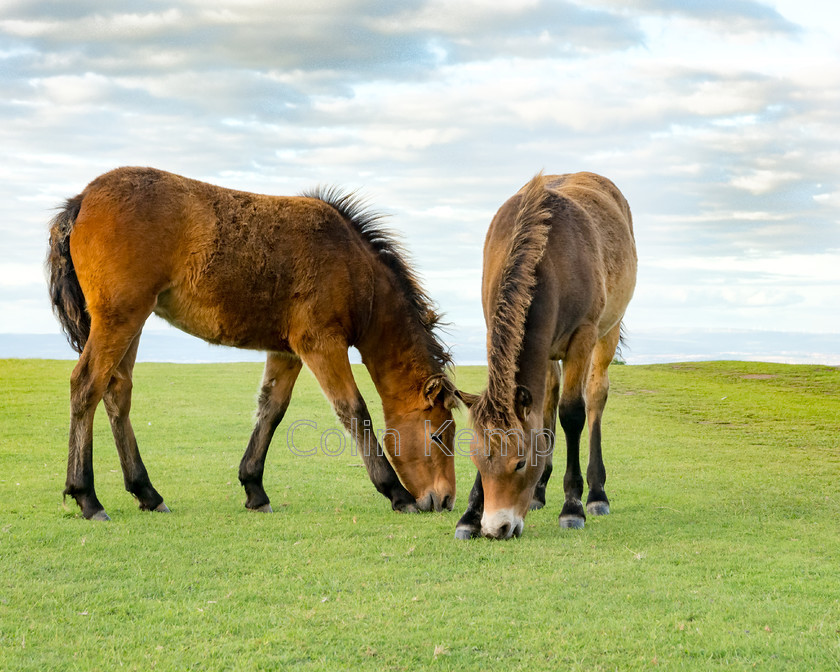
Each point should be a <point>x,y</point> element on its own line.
<point>437,387</point>
<point>450,398</point>
<point>433,387</point>
<point>466,397</point>
<point>522,402</point>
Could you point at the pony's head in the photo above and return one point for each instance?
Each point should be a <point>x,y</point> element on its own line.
<point>419,441</point>
<point>509,450</point>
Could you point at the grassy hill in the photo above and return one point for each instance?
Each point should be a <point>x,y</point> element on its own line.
<point>722,551</point>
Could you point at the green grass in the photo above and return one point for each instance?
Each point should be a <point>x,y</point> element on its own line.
<point>722,552</point>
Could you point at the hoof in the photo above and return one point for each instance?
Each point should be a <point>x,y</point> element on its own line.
<point>465,533</point>
<point>572,522</point>
<point>598,508</point>
<point>162,508</point>
<point>100,515</point>
<point>407,508</point>
<point>536,505</point>
<point>265,508</point>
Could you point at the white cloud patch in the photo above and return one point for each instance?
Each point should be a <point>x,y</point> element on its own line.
<point>816,268</point>
<point>15,274</point>
<point>764,181</point>
<point>748,17</point>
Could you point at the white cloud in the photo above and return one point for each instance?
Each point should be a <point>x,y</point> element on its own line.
<point>831,199</point>
<point>764,181</point>
<point>824,267</point>
<point>15,274</point>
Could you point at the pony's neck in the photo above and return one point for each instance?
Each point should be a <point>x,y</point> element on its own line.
<point>532,373</point>
<point>395,351</point>
<point>530,368</point>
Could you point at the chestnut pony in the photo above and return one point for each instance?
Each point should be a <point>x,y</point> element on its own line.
<point>559,271</point>
<point>303,278</point>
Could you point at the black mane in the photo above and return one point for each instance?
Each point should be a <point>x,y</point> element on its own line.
<point>390,252</point>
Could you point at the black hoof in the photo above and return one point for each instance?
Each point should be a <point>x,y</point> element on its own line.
<point>572,517</point>
<point>536,505</point>
<point>572,522</point>
<point>466,533</point>
<point>90,505</point>
<point>598,508</point>
<point>265,508</point>
<point>162,508</point>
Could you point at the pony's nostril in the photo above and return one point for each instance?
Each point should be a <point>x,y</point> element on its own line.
<point>504,531</point>
<point>446,504</point>
<point>426,504</point>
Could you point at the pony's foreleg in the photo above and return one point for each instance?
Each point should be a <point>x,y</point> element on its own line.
<point>332,369</point>
<point>552,400</point>
<point>104,350</point>
<point>117,400</point>
<point>572,412</point>
<point>281,372</point>
<point>597,389</point>
<point>469,526</point>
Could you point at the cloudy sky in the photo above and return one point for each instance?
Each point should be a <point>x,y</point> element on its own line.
<point>718,119</point>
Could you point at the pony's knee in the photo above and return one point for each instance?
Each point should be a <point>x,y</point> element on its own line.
<point>351,409</point>
<point>572,414</point>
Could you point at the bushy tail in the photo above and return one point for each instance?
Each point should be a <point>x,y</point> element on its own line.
<point>618,357</point>
<point>68,301</point>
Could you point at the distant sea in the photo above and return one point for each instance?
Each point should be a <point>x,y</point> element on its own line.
<point>644,347</point>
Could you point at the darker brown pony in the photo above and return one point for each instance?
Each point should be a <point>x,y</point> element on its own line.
<point>303,278</point>
<point>559,271</point>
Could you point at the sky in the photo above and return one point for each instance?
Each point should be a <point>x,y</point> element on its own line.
<point>718,119</point>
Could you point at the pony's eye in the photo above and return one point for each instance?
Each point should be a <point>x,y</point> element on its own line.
<point>520,465</point>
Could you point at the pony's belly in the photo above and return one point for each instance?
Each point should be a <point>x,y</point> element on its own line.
<point>251,329</point>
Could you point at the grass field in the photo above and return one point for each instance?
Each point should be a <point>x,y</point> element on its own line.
<point>722,552</point>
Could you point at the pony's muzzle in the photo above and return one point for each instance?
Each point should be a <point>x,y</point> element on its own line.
<point>501,524</point>
<point>435,502</point>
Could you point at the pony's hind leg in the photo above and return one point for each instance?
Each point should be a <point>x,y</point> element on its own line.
<point>103,351</point>
<point>552,400</point>
<point>572,412</point>
<point>117,400</point>
<point>332,369</point>
<point>597,389</point>
<point>281,372</point>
